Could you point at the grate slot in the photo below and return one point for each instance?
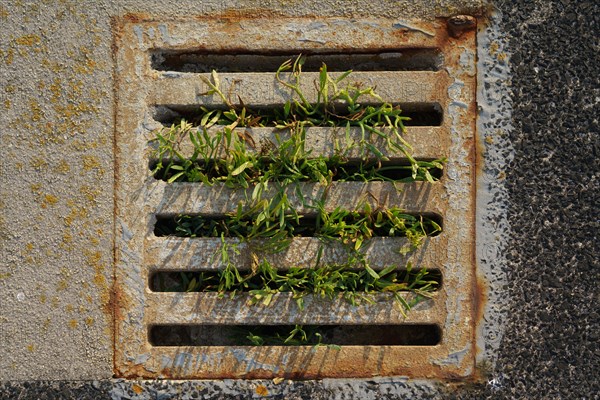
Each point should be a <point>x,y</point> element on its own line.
<point>275,335</point>
<point>199,61</point>
<point>420,114</point>
<point>178,282</point>
<point>348,172</point>
<point>305,226</point>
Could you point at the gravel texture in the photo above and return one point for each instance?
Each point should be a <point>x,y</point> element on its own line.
<point>550,346</point>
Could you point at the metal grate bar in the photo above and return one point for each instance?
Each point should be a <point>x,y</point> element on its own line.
<point>190,198</point>
<point>210,308</point>
<point>427,142</point>
<point>151,94</point>
<point>260,89</point>
<point>191,254</point>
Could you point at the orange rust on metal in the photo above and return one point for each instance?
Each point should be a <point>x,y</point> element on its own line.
<point>457,306</point>
<point>136,18</point>
<point>478,150</point>
<point>460,24</point>
<point>133,371</point>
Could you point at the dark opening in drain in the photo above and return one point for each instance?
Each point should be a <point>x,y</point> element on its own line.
<point>198,61</point>
<point>276,335</point>
<point>347,172</point>
<point>194,225</point>
<point>284,281</point>
<point>420,114</point>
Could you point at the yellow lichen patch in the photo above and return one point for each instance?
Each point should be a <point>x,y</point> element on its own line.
<point>62,285</point>
<point>67,241</point>
<point>494,46</point>
<point>9,57</point>
<point>86,64</point>
<point>36,188</point>
<point>7,104</point>
<point>56,90</point>
<point>4,275</point>
<point>3,13</point>
<point>94,260</point>
<point>64,282</point>
<point>69,308</point>
<point>29,256</point>
<point>65,272</point>
<point>73,324</point>
<point>89,321</point>
<point>137,388</point>
<point>63,167</point>
<point>31,40</point>
<point>50,253</point>
<point>75,109</point>
<point>53,66</point>
<point>75,89</point>
<point>261,390</point>
<point>77,212</point>
<point>93,257</point>
<point>30,348</point>
<point>92,163</point>
<point>10,89</point>
<point>38,163</point>
<point>99,280</point>
<point>46,325</point>
<point>86,67</point>
<point>36,111</point>
<point>90,194</point>
<point>49,199</point>
<point>43,298</point>
<point>55,302</point>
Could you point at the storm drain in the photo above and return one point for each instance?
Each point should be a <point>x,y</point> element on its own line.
<point>162,70</point>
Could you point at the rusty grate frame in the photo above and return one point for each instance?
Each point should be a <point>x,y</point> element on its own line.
<point>139,197</point>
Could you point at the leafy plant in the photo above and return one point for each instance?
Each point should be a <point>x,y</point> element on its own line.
<point>329,281</point>
<point>287,336</point>
<point>231,156</point>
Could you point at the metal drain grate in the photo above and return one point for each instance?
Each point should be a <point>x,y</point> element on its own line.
<point>176,335</point>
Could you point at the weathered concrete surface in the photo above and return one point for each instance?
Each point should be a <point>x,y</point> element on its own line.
<point>57,172</point>
<point>56,204</point>
<point>56,181</point>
